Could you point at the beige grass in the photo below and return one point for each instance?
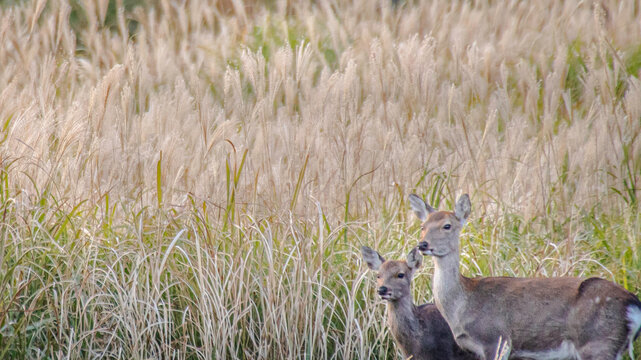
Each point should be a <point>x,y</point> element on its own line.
<point>197,188</point>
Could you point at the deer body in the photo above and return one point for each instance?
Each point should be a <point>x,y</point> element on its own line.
<point>538,318</point>
<point>419,331</point>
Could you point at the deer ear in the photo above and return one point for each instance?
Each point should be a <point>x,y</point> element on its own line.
<point>420,207</point>
<point>463,208</point>
<point>414,259</point>
<point>373,259</point>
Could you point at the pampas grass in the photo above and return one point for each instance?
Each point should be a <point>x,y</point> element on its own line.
<point>193,179</point>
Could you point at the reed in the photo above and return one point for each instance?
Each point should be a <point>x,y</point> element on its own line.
<point>194,179</point>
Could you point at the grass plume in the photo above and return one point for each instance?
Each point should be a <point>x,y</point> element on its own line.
<point>193,179</point>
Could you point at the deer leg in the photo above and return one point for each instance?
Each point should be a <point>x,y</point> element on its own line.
<point>467,343</point>
<point>498,351</point>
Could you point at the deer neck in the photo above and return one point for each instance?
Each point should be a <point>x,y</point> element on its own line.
<point>449,294</point>
<point>402,320</point>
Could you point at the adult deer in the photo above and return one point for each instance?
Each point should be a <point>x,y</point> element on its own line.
<point>420,331</point>
<point>539,318</point>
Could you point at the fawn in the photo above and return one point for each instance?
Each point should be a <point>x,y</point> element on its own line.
<point>419,331</point>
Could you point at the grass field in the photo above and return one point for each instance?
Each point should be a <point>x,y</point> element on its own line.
<point>193,179</point>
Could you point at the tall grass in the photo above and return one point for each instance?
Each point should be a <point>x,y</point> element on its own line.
<point>192,179</point>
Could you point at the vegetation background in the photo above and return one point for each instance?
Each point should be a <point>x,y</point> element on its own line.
<point>193,179</point>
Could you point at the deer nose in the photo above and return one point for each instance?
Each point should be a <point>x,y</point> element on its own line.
<point>382,290</point>
<point>423,246</point>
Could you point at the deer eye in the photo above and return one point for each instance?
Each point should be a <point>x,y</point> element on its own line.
<point>447,226</point>
<point>378,276</point>
<point>400,275</point>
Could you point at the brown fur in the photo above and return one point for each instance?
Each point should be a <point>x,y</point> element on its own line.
<point>573,316</point>
<point>420,332</point>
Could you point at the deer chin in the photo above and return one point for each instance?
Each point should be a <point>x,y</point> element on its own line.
<point>388,296</point>
<point>439,253</point>
<point>427,252</point>
<point>434,252</point>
